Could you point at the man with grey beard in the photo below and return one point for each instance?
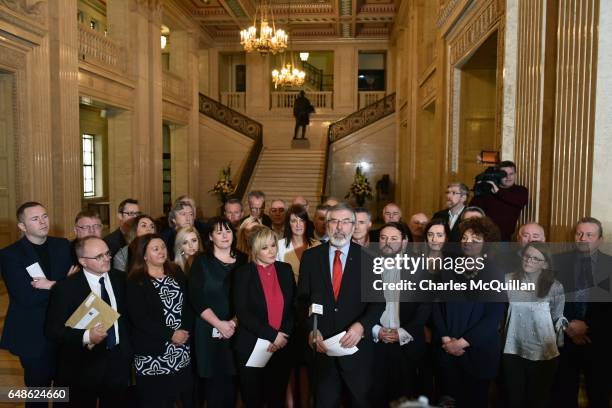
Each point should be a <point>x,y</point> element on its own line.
<point>330,276</point>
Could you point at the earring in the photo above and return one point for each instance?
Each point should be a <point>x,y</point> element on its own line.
<point>182,253</point>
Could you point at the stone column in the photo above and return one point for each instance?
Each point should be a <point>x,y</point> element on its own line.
<point>66,145</point>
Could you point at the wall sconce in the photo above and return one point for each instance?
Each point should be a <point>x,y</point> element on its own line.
<point>304,56</point>
<point>489,157</point>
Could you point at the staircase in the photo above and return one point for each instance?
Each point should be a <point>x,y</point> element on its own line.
<point>287,173</point>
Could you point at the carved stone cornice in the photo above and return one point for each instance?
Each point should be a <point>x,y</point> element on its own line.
<point>29,17</point>
<point>12,58</point>
<point>477,28</point>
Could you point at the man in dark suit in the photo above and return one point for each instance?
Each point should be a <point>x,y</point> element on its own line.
<point>585,275</point>
<point>28,296</point>
<point>94,363</point>
<point>399,334</point>
<point>127,210</point>
<point>391,213</point>
<point>456,197</point>
<point>330,275</point>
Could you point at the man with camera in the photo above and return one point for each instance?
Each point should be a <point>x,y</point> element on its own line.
<point>501,199</point>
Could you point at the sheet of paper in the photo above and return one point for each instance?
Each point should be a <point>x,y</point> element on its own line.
<point>86,319</point>
<point>260,355</point>
<point>35,271</point>
<point>92,311</point>
<point>334,349</point>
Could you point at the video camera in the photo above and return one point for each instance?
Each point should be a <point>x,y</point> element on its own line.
<point>494,174</point>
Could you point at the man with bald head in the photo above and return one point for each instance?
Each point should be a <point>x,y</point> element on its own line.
<point>391,213</point>
<point>300,200</point>
<point>95,363</point>
<point>530,232</point>
<point>417,225</point>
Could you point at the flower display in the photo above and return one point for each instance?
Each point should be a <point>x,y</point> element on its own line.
<point>360,189</point>
<point>224,186</point>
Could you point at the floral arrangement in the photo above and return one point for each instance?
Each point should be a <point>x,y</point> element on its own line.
<point>224,186</point>
<point>360,189</point>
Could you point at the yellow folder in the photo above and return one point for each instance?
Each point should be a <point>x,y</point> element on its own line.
<point>92,311</point>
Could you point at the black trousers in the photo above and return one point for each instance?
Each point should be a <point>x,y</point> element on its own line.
<point>266,386</point>
<point>110,390</point>
<point>394,373</point>
<point>38,372</point>
<point>528,383</point>
<point>333,375</point>
<point>219,391</point>
<point>594,360</point>
<point>467,390</point>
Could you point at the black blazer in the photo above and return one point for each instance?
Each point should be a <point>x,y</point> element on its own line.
<point>413,317</point>
<point>454,232</point>
<point>315,286</point>
<point>77,365</point>
<point>252,311</point>
<point>597,313</point>
<point>115,241</point>
<point>23,333</point>
<point>145,312</point>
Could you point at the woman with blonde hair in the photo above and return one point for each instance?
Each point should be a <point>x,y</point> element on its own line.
<point>264,293</point>
<point>244,234</point>
<point>187,244</point>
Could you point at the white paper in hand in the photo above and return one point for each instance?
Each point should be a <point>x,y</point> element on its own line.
<point>260,355</point>
<point>35,271</point>
<point>334,349</point>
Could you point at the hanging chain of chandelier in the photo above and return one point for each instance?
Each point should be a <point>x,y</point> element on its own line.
<point>270,40</point>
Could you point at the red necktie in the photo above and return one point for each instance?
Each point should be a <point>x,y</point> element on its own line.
<point>337,273</point>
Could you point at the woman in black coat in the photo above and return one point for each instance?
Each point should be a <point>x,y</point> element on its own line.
<point>161,321</point>
<point>210,284</point>
<point>263,300</point>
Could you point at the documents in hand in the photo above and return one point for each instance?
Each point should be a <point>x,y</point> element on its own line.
<point>260,355</point>
<point>92,311</point>
<point>35,271</point>
<point>334,349</point>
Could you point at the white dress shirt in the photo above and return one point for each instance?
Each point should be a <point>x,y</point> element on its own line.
<point>94,283</point>
<point>390,319</point>
<point>453,218</point>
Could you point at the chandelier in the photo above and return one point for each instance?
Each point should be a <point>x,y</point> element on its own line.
<point>270,39</point>
<point>289,75</point>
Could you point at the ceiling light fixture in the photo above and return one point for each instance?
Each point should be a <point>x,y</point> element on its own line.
<point>270,39</point>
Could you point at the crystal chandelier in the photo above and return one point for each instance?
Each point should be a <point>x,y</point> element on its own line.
<point>270,39</point>
<point>289,75</point>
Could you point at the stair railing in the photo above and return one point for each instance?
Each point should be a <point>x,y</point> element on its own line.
<point>241,124</point>
<point>351,124</point>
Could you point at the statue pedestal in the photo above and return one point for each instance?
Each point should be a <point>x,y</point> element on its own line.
<point>300,144</point>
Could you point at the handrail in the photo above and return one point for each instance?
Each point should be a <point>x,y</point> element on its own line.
<point>352,123</point>
<point>314,75</point>
<point>241,124</point>
<point>361,118</point>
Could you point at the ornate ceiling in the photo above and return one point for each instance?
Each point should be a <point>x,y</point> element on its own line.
<point>318,19</point>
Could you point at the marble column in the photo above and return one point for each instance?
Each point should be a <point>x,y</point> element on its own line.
<point>66,145</point>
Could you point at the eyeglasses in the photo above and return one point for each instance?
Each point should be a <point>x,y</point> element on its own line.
<point>131,213</point>
<point>99,257</point>
<point>333,222</point>
<point>255,209</point>
<point>277,210</point>
<point>532,259</point>
<point>392,214</point>
<point>454,192</point>
<point>94,227</point>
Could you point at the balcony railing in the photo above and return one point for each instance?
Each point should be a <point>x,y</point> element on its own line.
<point>98,49</point>
<point>284,100</point>
<point>235,100</point>
<point>173,85</point>
<point>369,97</point>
